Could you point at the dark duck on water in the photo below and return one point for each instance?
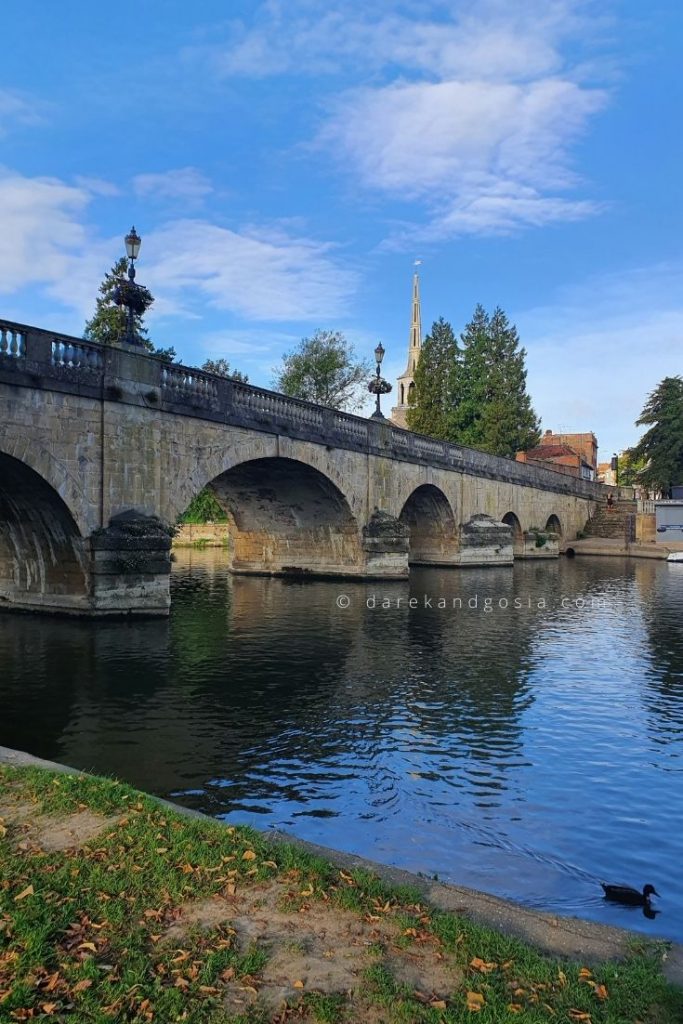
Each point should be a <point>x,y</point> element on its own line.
<point>631,897</point>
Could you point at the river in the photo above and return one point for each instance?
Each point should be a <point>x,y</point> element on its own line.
<point>518,731</point>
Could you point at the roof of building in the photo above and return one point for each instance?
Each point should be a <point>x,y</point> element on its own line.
<point>551,451</point>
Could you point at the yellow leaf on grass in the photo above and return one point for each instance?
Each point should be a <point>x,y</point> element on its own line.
<point>248,855</point>
<point>438,1004</point>
<point>562,977</point>
<point>298,983</point>
<point>475,1001</point>
<point>81,986</point>
<point>88,945</point>
<point>308,891</point>
<point>514,1007</point>
<point>580,1015</point>
<point>48,1007</point>
<point>585,973</point>
<point>28,891</point>
<point>482,965</point>
<point>600,991</point>
<point>181,982</point>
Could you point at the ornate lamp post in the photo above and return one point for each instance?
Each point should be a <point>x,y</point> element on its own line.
<point>378,385</point>
<point>130,294</point>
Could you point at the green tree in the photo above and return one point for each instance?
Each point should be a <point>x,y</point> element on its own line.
<point>494,411</point>
<point>437,382</point>
<point>324,369</point>
<point>107,326</point>
<point>204,508</point>
<point>661,447</point>
<point>221,367</point>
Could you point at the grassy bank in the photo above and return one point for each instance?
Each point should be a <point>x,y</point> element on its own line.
<point>114,908</point>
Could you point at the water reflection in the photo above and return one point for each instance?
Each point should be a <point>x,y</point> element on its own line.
<point>528,746</point>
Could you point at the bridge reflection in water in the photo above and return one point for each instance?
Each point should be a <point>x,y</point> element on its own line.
<point>527,751</point>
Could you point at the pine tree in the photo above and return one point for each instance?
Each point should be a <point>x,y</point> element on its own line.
<point>436,383</point>
<point>494,413</point>
<point>108,324</point>
<point>662,445</point>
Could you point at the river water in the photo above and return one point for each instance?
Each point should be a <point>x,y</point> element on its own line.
<point>523,735</point>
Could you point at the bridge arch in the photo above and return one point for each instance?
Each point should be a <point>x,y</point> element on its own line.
<point>43,561</point>
<point>511,520</point>
<point>433,532</point>
<point>553,525</point>
<point>285,516</point>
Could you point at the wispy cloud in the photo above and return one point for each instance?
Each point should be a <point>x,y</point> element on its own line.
<point>596,353</point>
<point>269,273</point>
<point>469,111</point>
<point>263,274</point>
<point>16,108</point>
<point>185,184</point>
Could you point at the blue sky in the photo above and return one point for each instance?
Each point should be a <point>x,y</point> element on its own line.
<point>285,163</point>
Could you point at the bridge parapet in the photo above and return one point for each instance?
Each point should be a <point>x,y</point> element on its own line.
<point>36,358</point>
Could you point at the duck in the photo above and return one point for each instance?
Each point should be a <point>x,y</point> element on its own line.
<point>629,895</point>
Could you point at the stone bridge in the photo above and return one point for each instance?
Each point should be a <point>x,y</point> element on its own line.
<point>101,449</point>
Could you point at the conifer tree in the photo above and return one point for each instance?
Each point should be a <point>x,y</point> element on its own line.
<point>662,445</point>
<point>436,381</point>
<point>494,413</point>
<point>108,324</point>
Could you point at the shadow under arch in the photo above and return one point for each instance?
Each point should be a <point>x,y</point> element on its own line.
<point>433,532</point>
<point>287,517</point>
<point>43,563</point>
<point>510,519</point>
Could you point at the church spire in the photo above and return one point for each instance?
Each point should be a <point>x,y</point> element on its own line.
<point>405,383</point>
<point>415,337</point>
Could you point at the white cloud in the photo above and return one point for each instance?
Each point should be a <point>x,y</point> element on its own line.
<point>41,229</point>
<point>264,274</point>
<point>186,184</point>
<point>268,273</point>
<point>469,110</point>
<point>597,353</point>
<point>16,109</point>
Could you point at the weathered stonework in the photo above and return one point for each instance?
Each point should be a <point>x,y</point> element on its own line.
<point>130,565</point>
<point>88,433</point>
<point>485,541</point>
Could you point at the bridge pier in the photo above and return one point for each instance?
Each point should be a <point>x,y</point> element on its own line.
<point>130,567</point>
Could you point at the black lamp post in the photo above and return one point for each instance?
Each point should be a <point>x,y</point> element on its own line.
<point>130,294</point>
<point>378,385</point>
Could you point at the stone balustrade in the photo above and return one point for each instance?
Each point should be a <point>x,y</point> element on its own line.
<point>34,357</point>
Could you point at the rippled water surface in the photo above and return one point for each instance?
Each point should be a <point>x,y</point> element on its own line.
<point>529,751</point>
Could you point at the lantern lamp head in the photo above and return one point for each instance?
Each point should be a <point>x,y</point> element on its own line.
<point>133,241</point>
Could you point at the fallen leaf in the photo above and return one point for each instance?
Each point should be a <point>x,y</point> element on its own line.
<point>181,982</point>
<point>308,891</point>
<point>514,1007</point>
<point>81,986</point>
<point>562,977</point>
<point>248,855</point>
<point>600,991</point>
<point>475,1001</point>
<point>269,864</point>
<point>438,1004</point>
<point>88,945</point>
<point>482,965</point>
<point>298,983</point>
<point>28,891</point>
<point>580,1015</point>
<point>585,973</point>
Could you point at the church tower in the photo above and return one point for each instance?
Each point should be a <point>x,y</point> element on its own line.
<point>405,382</point>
